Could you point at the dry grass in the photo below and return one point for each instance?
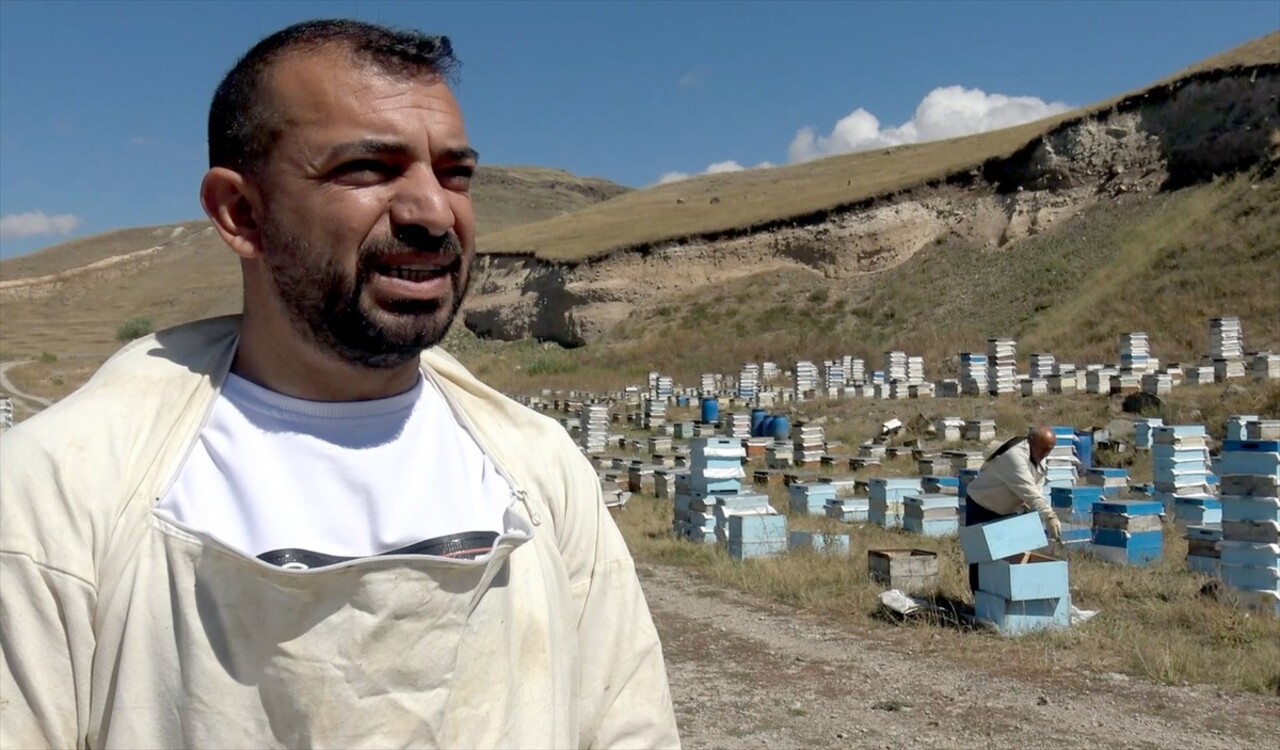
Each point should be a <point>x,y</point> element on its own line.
<point>1154,623</point>
<point>757,198</point>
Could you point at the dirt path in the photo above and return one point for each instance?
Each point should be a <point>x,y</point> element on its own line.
<point>750,674</point>
<point>35,401</point>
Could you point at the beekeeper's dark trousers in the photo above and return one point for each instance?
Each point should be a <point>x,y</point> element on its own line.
<point>976,514</point>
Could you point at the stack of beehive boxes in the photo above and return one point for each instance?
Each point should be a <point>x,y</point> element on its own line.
<point>1226,348</point>
<point>655,413</point>
<point>973,374</point>
<point>886,495</point>
<point>594,428</point>
<point>1203,548</point>
<point>981,430</point>
<point>1002,366</point>
<point>949,429</point>
<point>1265,366</point>
<point>1110,481</point>
<point>809,443</point>
<point>1060,464</point>
<point>810,498</point>
<point>748,382</point>
<point>1179,464</point>
<point>805,379</point>
<point>1142,432</point>
<point>1135,353</point>
<point>1019,591</point>
<point>1075,504</point>
<point>931,514</point>
<point>709,384</point>
<point>1250,546</point>
<point>1127,531</point>
<point>1042,366</point>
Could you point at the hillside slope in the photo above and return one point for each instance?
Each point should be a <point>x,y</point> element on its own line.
<point>1163,263</point>
<point>719,206</point>
<point>579,277</point>
<point>71,297</point>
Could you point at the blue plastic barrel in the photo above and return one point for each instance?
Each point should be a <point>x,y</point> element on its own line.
<point>757,416</point>
<point>1084,448</point>
<point>766,427</point>
<point>780,429</point>
<point>682,401</point>
<point>710,410</point>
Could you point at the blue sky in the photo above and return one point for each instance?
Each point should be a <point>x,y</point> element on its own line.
<point>102,104</point>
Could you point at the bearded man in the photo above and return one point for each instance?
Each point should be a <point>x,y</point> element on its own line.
<point>306,525</point>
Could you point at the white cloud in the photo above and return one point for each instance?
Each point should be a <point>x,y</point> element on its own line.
<point>724,166</point>
<point>945,112</point>
<point>719,167</point>
<point>36,224</point>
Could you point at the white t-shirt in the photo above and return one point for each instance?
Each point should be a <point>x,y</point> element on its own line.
<point>347,479</point>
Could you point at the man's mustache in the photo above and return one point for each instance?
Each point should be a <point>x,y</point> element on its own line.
<point>405,243</point>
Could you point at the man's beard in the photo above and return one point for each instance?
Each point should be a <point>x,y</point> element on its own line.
<point>328,306</point>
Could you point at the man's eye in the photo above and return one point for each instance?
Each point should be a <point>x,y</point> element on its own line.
<point>363,168</point>
<point>457,178</point>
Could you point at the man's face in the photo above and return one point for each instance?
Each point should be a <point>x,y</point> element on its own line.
<point>367,232</point>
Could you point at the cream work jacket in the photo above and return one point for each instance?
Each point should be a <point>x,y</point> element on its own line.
<point>120,630</point>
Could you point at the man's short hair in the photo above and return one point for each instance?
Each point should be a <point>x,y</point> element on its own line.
<point>243,123</point>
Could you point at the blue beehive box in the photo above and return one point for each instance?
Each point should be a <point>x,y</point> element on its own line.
<point>965,476</point>
<point>1076,502</point>
<point>1251,446</point>
<point>892,489</point>
<point>1129,507</point>
<point>1137,556</point>
<point>1024,577</point>
<point>1250,554</point>
<point>1003,538</point>
<point>757,535</point>
<point>836,544</point>
<point>1197,510</point>
<point>1075,534</point>
<point>925,502</point>
<point>1246,508</point>
<point>1236,425</point>
<point>1150,540</point>
<point>1249,462</point>
<point>936,527</point>
<point>1179,430</point>
<point>1250,578</point>
<point>1022,617</point>
<point>940,485</point>
<point>848,509</point>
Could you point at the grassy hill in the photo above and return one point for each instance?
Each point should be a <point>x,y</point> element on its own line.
<point>1162,263</point>
<point>192,274</point>
<point>764,197</point>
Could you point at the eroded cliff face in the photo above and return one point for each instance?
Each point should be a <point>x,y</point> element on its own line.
<point>1167,138</point>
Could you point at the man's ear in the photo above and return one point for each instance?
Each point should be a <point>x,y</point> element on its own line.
<point>233,204</point>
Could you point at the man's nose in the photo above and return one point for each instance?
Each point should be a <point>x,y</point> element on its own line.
<point>421,201</point>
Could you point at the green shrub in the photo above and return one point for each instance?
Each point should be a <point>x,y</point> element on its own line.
<point>134,328</point>
<point>48,358</point>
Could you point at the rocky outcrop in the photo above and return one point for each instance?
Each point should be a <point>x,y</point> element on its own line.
<point>1168,137</point>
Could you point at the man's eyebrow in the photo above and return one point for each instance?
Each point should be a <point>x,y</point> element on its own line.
<point>365,147</point>
<point>462,153</point>
<point>368,147</point>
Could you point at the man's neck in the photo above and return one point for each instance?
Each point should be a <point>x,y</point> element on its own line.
<point>286,362</point>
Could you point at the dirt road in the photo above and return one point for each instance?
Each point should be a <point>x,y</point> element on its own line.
<point>36,401</point>
<point>751,674</point>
